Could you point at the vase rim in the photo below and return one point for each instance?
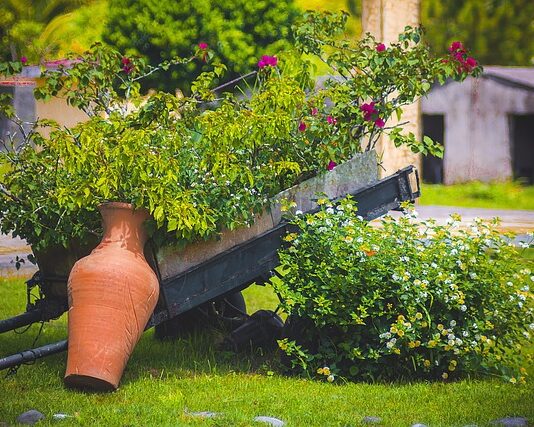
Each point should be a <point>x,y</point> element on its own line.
<point>121,205</point>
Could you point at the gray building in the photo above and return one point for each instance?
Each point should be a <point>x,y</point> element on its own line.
<point>486,126</point>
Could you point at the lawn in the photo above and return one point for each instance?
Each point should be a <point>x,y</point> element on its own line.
<point>165,382</point>
<point>496,195</point>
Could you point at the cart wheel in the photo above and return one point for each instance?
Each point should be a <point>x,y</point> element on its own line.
<point>227,312</point>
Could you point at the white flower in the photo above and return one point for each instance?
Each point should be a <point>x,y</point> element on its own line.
<point>450,342</point>
<point>463,307</point>
<point>473,275</point>
<point>299,212</point>
<point>522,297</point>
<point>459,341</point>
<point>525,288</point>
<point>524,245</point>
<point>526,334</point>
<point>453,323</point>
<point>531,326</point>
<point>434,265</point>
<point>451,336</point>
<point>465,333</point>
<point>359,217</point>
<point>330,211</point>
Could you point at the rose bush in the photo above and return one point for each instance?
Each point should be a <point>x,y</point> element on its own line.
<point>405,300</point>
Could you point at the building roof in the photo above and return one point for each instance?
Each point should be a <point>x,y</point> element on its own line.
<point>519,77</point>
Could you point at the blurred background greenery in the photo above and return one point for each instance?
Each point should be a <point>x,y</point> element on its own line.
<point>498,32</point>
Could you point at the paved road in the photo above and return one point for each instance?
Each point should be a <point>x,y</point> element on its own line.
<point>517,221</point>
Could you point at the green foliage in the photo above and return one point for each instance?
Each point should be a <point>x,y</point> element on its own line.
<point>165,381</point>
<point>237,31</point>
<point>404,300</point>
<point>23,24</point>
<point>500,32</point>
<point>207,162</point>
<point>496,195</point>
<point>372,82</point>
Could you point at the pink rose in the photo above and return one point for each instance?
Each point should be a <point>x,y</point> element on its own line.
<point>302,126</point>
<point>380,47</point>
<point>331,120</point>
<point>314,111</point>
<point>331,165</point>
<point>202,46</point>
<point>24,60</point>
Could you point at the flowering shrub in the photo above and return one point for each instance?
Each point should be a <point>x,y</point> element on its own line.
<point>212,160</point>
<point>404,299</point>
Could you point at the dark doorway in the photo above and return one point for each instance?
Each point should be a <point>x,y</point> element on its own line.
<point>434,127</point>
<point>522,137</point>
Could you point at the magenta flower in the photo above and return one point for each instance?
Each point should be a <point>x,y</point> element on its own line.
<point>314,111</point>
<point>380,47</point>
<point>127,65</point>
<point>302,126</point>
<point>331,165</point>
<point>268,61</point>
<point>455,46</point>
<point>202,46</point>
<point>368,111</point>
<point>380,122</point>
<point>24,60</point>
<point>331,120</point>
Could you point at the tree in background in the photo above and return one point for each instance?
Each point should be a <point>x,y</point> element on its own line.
<point>497,31</point>
<point>24,31</point>
<point>237,31</point>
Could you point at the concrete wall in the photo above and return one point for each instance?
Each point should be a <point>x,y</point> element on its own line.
<point>29,109</point>
<point>386,19</point>
<point>477,135</point>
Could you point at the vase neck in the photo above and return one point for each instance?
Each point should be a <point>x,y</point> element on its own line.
<point>124,226</point>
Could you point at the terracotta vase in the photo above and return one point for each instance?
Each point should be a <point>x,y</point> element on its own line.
<point>112,294</point>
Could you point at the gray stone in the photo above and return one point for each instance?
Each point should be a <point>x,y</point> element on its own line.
<point>511,422</point>
<point>419,425</point>
<point>371,420</point>
<point>30,417</point>
<point>61,416</point>
<point>275,422</point>
<point>204,414</point>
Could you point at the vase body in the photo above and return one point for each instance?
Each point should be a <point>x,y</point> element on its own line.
<point>112,294</point>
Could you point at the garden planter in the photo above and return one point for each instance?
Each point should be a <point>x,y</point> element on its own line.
<point>352,175</point>
<point>112,293</point>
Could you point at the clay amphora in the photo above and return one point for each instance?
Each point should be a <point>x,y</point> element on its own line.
<point>112,294</point>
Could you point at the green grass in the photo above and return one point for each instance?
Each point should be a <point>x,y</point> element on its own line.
<point>496,195</point>
<point>164,380</point>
